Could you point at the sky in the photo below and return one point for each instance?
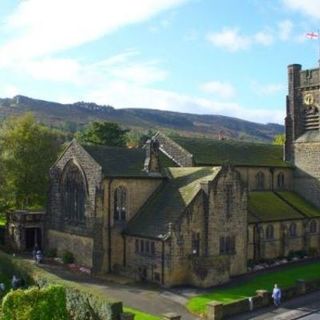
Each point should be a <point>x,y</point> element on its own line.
<point>198,56</point>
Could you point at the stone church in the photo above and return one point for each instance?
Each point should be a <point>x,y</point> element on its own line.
<point>190,210</point>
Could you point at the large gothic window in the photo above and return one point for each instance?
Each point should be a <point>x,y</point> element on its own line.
<point>73,193</point>
<point>260,180</point>
<point>120,204</point>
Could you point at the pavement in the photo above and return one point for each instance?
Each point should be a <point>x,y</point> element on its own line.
<point>142,296</point>
<point>306,307</point>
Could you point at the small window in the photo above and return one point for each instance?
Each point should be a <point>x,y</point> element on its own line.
<point>293,230</point>
<point>153,249</point>
<point>313,227</point>
<point>147,246</point>
<point>222,245</point>
<point>260,181</point>
<point>196,243</point>
<point>141,246</point>
<point>120,204</point>
<point>269,232</point>
<point>280,180</point>
<point>137,245</point>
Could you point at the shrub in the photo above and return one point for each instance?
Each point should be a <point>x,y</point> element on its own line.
<point>47,303</point>
<point>67,257</point>
<point>51,253</point>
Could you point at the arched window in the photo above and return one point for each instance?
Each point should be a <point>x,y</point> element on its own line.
<point>73,193</point>
<point>260,180</point>
<point>293,230</point>
<point>313,227</point>
<point>280,180</point>
<point>269,232</point>
<point>120,204</point>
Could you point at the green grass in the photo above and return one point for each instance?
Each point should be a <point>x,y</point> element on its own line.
<point>267,206</point>
<point>139,315</point>
<point>284,278</point>
<point>301,204</point>
<point>2,220</point>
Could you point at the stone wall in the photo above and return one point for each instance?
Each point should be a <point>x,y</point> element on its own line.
<point>234,223</point>
<point>248,177</point>
<point>80,247</point>
<point>307,173</point>
<point>138,192</point>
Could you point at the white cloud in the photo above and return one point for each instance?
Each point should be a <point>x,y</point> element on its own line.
<point>267,89</point>
<point>44,27</point>
<point>229,39</point>
<point>263,37</point>
<point>284,29</point>
<point>9,91</point>
<point>232,40</point>
<point>221,89</point>
<point>308,7</point>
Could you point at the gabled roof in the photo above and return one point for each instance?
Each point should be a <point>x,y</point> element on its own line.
<point>209,152</point>
<point>169,202</point>
<point>279,206</point>
<point>118,162</point>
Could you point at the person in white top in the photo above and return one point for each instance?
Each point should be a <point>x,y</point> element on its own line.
<point>276,295</point>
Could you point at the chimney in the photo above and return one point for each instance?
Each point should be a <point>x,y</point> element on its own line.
<point>152,162</point>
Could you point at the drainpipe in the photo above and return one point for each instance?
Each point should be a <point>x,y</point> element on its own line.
<point>109,225</point>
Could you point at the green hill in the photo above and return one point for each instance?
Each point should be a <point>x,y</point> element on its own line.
<point>72,117</point>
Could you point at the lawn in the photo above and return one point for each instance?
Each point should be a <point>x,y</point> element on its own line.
<point>139,315</point>
<point>284,278</point>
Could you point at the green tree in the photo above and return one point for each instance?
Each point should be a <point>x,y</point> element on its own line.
<point>104,133</point>
<point>279,139</point>
<point>28,149</point>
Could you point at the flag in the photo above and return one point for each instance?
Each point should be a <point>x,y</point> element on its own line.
<point>313,35</point>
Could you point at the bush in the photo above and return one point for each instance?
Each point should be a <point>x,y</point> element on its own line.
<point>67,257</point>
<point>51,253</point>
<point>36,304</point>
<point>82,302</point>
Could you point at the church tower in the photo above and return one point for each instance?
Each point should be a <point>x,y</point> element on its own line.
<point>302,125</point>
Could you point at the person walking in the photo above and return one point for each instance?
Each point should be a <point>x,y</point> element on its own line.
<point>276,295</point>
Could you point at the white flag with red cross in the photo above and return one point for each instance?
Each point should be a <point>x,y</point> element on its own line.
<point>313,35</point>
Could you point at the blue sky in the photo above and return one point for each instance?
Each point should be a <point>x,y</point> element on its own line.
<point>201,56</point>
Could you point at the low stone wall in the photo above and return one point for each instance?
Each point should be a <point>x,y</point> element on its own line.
<point>219,311</point>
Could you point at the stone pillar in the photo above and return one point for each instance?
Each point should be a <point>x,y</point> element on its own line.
<point>214,310</point>
<point>264,294</point>
<point>301,287</point>
<point>171,316</point>
<point>127,316</point>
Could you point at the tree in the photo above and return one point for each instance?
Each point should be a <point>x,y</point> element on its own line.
<point>279,139</point>
<point>28,149</point>
<point>103,133</point>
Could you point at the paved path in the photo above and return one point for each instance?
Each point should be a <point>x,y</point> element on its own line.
<point>305,307</point>
<point>145,297</point>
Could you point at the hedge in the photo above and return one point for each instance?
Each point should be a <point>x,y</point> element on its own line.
<point>82,302</point>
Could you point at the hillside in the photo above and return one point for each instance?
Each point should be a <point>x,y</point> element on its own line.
<point>74,116</point>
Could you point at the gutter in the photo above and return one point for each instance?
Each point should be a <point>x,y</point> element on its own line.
<point>109,224</point>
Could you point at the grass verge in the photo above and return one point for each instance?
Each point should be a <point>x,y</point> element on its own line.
<point>139,315</point>
<point>285,278</point>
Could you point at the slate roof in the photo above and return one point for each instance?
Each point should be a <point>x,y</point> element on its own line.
<point>169,202</point>
<point>278,206</point>
<point>216,152</point>
<point>118,162</point>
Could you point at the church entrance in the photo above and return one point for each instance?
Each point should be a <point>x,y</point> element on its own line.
<point>33,237</point>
